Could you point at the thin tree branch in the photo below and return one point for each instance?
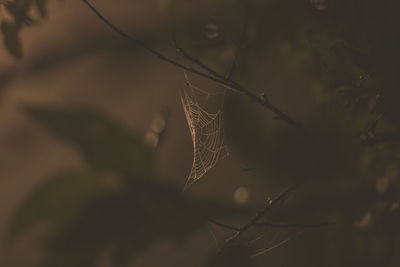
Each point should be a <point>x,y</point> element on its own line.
<point>196,61</point>
<point>270,203</point>
<point>262,99</point>
<point>214,237</point>
<point>224,225</point>
<point>242,39</point>
<point>214,75</point>
<point>294,225</point>
<point>257,238</point>
<point>266,250</point>
<point>148,48</point>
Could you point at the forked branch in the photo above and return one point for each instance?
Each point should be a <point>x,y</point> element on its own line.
<point>269,204</point>
<point>213,75</point>
<point>148,48</point>
<point>295,225</point>
<point>255,221</point>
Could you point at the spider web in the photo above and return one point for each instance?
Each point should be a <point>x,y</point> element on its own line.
<point>206,130</point>
<point>271,239</point>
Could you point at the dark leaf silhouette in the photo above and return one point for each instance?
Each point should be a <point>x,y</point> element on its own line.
<point>11,39</point>
<point>42,8</point>
<point>127,223</point>
<point>58,201</point>
<point>22,17</point>
<point>105,144</point>
<point>88,216</point>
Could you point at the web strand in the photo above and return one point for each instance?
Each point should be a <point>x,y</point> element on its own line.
<point>206,130</point>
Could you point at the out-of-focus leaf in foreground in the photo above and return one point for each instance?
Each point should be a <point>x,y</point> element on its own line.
<point>125,224</point>
<point>22,16</point>
<point>105,144</point>
<point>42,7</point>
<point>96,219</point>
<point>11,38</point>
<point>91,219</point>
<point>58,201</point>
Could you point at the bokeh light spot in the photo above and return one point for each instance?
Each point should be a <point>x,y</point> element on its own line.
<point>241,195</point>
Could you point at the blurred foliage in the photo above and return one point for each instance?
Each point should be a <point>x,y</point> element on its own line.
<point>93,213</point>
<point>237,256</point>
<point>59,200</point>
<point>125,223</point>
<point>104,143</point>
<point>19,15</point>
<point>330,64</point>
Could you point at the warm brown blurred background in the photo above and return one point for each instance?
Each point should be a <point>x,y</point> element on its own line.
<point>81,186</point>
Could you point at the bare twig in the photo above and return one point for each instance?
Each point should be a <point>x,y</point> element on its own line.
<point>242,39</point>
<point>257,238</point>
<point>270,203</point>
<point>213,76</point>
<point>294,225</point>
<point>255,222</point>
<point>214,237</point>
<point>224,225</point>
<point>266,250</point>
<point>148,48</point>
<point>262,100</point>
<point>197,61</point>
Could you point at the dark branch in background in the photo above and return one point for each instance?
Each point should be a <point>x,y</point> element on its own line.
<point>242,39</point>
<point>254,222</point>
<point>238,49</point>
<point>213,76</point>
<point>224,225</point>
<point>294,225</point>
<point>149,49</point>
<point>197,62</point>
<point>270,203</point>
<point>265,250</point>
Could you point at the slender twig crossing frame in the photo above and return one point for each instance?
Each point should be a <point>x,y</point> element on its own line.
<point>295,225</point>
<point>213,75</point>
<point>270,203</point>
<point>255,221</point>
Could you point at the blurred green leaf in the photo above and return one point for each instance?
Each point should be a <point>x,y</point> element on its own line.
<point>59,200</point>
<point>106,144</point>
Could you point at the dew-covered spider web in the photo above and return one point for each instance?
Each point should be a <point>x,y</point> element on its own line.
<point>206,129</point>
